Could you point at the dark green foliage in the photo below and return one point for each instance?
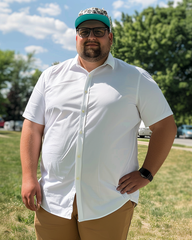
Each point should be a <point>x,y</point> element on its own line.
<point>6,68</point>
<point>17,78</point>
<point>160,41</point>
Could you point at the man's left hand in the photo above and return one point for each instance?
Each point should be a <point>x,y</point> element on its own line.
<point>131,182</point>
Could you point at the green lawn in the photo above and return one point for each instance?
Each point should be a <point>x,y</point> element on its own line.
<point>174,144</point>
<point>164,210</point>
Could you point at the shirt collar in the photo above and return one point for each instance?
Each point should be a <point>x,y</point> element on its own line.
<point>110,61</point>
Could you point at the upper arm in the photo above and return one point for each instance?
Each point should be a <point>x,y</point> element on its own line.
<point>35,109</point>
<point>32,127</point>
<point>151,103</point>
<point>167,124</point>
<point>31,141</point>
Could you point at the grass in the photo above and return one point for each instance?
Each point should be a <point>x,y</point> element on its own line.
<point>164,210</point>
<point>174,144</point>
<point>165,206</point>
<point>16,222</point>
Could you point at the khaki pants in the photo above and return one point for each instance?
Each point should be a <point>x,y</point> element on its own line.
<point>114,226</point>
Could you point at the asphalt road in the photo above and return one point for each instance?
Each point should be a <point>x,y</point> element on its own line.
<point>186,142</point>
<point>181,141</point>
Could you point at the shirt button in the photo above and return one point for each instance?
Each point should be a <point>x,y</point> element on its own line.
<point>77,178</point>
<point>81,132</point>
<point>78,156</point>
<point>85,92</point>
<point>83,111</point>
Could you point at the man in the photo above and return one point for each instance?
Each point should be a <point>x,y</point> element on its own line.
<point>88,110</point>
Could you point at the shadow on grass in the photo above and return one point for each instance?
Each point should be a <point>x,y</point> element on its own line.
<point>2,132</point>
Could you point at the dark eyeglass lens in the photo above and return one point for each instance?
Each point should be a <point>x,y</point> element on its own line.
<point>98,32</point>
<point>84,32</point>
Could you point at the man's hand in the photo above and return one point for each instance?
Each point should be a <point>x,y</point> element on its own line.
<point>131,182</point>
<point>163,134</point>
<point>30,148</point>
<point>30,189</point>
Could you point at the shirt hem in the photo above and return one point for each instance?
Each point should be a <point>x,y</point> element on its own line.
<point>54,213</point>
<point>159,118</point>
<point>25,115</point>
<point>93,218</point>
<point>89,219</point>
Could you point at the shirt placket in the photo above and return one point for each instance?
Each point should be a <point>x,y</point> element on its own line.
<point>80,141</point>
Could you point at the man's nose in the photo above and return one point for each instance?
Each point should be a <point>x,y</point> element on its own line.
<point>91,35</point>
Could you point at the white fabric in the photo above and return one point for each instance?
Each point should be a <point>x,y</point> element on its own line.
<point>90,138</point>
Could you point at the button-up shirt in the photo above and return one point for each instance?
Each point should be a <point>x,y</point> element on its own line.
<point>91,124</point>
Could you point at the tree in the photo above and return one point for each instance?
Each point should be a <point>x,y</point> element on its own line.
<point>22,77</point>
<point>160,41</point>
<point>6,67</point>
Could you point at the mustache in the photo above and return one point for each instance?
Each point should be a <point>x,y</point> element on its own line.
<point>87,42</point>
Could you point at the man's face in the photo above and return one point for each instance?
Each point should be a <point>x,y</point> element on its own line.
<point>91,48</point>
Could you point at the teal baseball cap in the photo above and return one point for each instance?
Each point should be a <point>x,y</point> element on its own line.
<point>93,14</point>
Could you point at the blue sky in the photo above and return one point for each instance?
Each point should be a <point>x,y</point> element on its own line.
<point>47,26</point>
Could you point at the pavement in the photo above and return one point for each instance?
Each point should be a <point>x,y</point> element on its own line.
<point>173,147</point>
<point>139,142</point>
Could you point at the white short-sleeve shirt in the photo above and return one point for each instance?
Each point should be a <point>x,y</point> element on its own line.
<point>90,137</point>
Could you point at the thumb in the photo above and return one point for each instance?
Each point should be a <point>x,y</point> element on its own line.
<point>38,195</point>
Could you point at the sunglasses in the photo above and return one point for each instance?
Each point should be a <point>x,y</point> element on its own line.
<point>85,32</point>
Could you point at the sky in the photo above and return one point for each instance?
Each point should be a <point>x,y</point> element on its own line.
<point>47,26</point>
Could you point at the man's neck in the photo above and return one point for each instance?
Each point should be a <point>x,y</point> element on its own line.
<point>90,66</point>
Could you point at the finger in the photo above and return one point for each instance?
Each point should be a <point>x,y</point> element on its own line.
<point>124,178</point>
<point>132,190</point>
<point>127,188</point>
<point>123,185</point>
<point>38,195</point>
<point>31,203</point>
<point>26,203</point>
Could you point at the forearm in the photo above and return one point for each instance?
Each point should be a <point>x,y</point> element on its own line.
<point>163,134</point>
<point>30,147</point>
<point>159,146</point>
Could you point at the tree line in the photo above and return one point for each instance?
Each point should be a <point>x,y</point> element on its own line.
<point>18,76</point>
<point>160,41</point>
<point>157,39</point>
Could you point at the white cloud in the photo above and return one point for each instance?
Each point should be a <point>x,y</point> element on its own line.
<point>66,7</point>
<point>35,26</point>
<point>37,63</point>
<point>163,5</point>
<point>118,4</point>
<point>28,73</point>
<point>51,9</point>
<point>144,3</point>
<point>175,4</point>
<point>39,27</point>
<point>25,10</point>
<point>116,14</point>
<point>40,65</point>
<point>19,1</point>
<point>66,39</point>
<point>114,24</point>
<point>36,49</point>
<point>4,8</point>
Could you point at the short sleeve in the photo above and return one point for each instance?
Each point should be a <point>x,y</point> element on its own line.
<point>151,102</point>
<point>35,109</point>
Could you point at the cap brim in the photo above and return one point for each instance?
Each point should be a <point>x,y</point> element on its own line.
<point>87,17</point>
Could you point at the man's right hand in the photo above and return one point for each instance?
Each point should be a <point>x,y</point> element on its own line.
<point>30,189</point>
<point>30,148</point>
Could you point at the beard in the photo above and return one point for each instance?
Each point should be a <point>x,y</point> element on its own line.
<point>93,54</point>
